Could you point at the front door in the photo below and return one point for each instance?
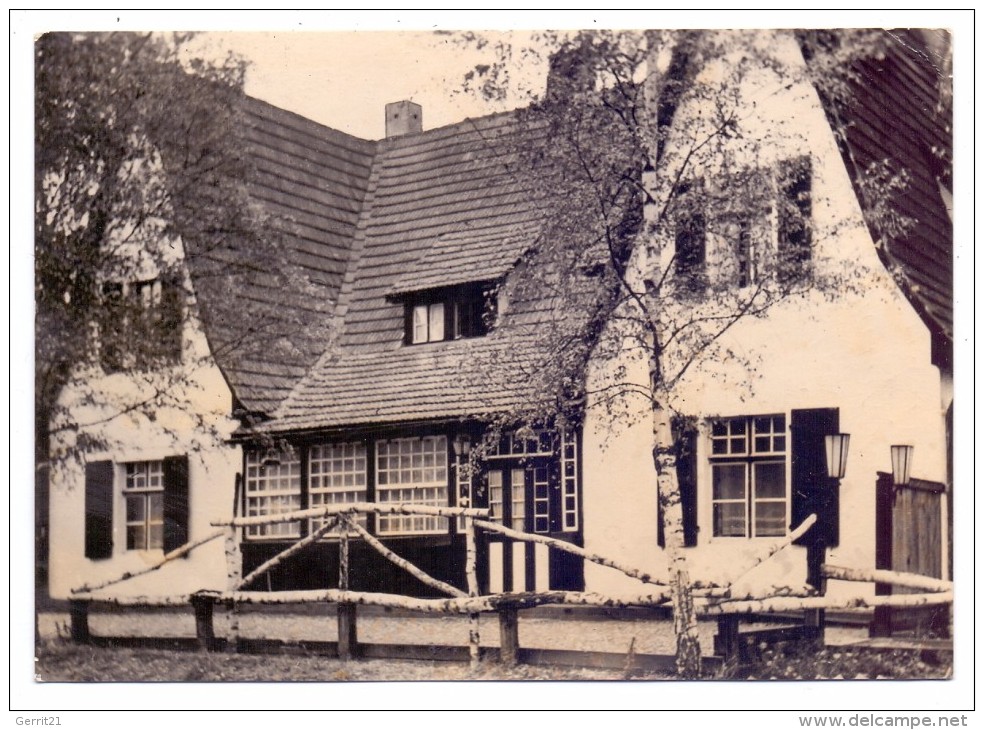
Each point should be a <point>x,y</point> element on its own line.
<point>529,495</point>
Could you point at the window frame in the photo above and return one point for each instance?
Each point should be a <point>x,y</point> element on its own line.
<point>776,443</point>
<point>151,309</point>
<point>452,313</point>
<point>352,453</point>
<point>409,525</point>
<point>257,472</point>
<point>143,494</point>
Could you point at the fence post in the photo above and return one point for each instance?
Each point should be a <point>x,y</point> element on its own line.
<point>204,629</point>
<point>881,624</point>
<point>347,634</point>
<point>726,641</point>
<point>80,622</point>
<point>509,636</point>
<point>471,572</point>
<point>234,574</point>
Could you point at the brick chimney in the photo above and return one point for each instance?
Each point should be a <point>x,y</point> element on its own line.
<point>403,117</point>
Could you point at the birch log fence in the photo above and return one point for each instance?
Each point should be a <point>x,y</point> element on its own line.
<point>711,599</point>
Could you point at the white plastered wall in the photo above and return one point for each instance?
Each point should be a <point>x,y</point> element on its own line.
<point>863,351</point>
<point>212,467</point>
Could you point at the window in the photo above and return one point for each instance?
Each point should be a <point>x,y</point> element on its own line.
<point>273,486</point>
<point>412,471</point>
<point>690,253</point>
<point>155,507</point>
<point>141,324</point>
<point>143,492</point>
<point>747,258</point>
<point>749,497</point>
<point>794,232</point>
<point>337,475</point>
<point>450,314</point>
<point>517,495</point>
<point>552,493</point>
<point>428,323</point>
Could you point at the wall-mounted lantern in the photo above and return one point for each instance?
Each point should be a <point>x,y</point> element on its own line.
<point>836,445</point>
<point>901,464</point>
<point>462,446</point>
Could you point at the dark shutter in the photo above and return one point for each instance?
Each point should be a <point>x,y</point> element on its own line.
<point>812,491</point>
<point>99,510</point>
<point>685,441</point>
<point>176,511</point>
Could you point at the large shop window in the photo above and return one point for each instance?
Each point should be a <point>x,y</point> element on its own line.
<point>273,486</point>
<point>749,496</point>
<point>412,471</point>
<point>337,475</point>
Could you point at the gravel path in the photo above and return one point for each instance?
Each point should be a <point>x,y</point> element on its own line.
<point>561,632</point>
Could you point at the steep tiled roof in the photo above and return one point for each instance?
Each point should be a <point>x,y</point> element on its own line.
<point>446,207</point>
<point>310,182</point>
<point>464,256</point>
<point>893,114</point>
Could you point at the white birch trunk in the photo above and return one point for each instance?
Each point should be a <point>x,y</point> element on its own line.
<point>684,614</point>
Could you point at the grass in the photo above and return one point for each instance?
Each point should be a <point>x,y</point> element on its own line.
<point>62,661</point>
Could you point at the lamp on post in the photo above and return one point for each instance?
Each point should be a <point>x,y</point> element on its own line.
<point>462,446</point>
<point>836,447</point>
<point>901,464</point>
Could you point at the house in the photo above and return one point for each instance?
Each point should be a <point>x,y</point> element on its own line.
<point>414,241</point>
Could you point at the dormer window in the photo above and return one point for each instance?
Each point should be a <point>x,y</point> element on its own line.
<point>449,314</point>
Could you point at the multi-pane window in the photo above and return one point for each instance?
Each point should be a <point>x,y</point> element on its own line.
<point>794,235</point>
<point>273,486</point>
<point>749,496</point>
<point>337,475</point>
<point>140,324</point>
<point>517,497</point>
<point>412,471</point>
<point>568,478</point>
<point>143,493</point>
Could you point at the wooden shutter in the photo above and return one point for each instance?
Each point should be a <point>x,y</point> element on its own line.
<point>99,510</point>
<point>176,512</point>
<point>812,491</point>
<point>685,440</point>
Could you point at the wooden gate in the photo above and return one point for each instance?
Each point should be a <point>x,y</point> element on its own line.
<point>909,539</point>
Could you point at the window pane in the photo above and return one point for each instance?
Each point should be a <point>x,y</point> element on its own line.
<point>729,481</point>
<point>135,509</point>
<point>156,536</point>
<point>420,323</point>
<point>770,519</point>
<point>136,537</point>
<point>729,519</point>
<point>156,506</point>
<point>436,322</point>
<point>770,481</point>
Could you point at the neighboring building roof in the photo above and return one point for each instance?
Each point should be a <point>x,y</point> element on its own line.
<point>894,113</point>
<point>309,182</point>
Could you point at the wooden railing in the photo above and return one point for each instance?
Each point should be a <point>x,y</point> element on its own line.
<point>710,599</point>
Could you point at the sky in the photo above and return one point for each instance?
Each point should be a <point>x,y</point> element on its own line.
<point>344,79</point>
